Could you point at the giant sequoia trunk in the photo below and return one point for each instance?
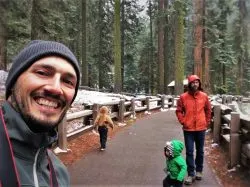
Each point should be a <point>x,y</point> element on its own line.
<point>198,31</point>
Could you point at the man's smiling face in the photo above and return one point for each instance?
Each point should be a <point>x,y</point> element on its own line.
<point>44,92</point>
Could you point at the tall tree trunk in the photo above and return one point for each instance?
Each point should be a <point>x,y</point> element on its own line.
<point>100,30</point>
<point>198,30</point>
<point>166,51</point>
<point>151,52</point>
<point>223,28</point>
<point>122,39</point>
<point>3,34</point>
<point>241,59</point>
<point>206,55</point>
<point>38,26</point>
<point>206,81</point>
<point>117,47</point>
<point>85,80</point>
<point>179,47</point>
<point>161,48</point>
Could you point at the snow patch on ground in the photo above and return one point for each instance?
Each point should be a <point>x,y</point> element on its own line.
<point>58,150</point>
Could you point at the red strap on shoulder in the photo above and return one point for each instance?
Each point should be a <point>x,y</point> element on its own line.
<point>53,178</point>
<point>8,169</point>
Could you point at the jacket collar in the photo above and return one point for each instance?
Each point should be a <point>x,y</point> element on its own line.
<point>194,93</point>
<point>19,131</point>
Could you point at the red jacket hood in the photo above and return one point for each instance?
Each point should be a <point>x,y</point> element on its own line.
<point>192,78</point>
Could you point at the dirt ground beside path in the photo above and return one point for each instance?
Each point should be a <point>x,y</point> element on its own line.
<point>217,159</point>
<point>215,155</point>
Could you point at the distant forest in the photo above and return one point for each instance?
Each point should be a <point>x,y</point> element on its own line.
<point>139,46</point>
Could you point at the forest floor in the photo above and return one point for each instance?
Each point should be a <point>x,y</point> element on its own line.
<point>216,156</point>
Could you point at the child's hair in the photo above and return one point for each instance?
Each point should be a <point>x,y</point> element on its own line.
<point>103,112</point>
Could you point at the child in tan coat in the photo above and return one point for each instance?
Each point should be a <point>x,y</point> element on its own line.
<point>103,120</point>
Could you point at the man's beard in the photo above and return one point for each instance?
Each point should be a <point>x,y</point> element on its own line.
<point>194,88</point>
<point>40,126</point>
<point>34,124</point>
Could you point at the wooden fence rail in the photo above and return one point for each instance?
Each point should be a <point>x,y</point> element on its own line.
<point>118,109</point>
<point>232,127</point>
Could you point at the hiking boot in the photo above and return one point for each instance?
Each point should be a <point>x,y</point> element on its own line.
<point>198,175</point>
<point>189,180</point>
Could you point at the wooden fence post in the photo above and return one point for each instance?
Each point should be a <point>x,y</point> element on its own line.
<point>171,99</point>
<point>217,123</point>
<point>235,143</point>
<point>240,98</point>
<point>232,106</point>
<point>163,101</point>
<point>133,107</point>
<point>230,99</point>
<point>224,98</point>
<point>148,103</point>
<point>121,110</point>
<point>62,134</point>
<point>95,111</point>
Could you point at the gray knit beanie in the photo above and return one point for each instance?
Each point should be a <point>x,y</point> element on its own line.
<point>34,51</point>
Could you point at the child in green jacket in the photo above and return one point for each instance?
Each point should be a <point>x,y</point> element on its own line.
<point>176,166</point>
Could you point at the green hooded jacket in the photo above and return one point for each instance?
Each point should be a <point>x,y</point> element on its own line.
<point>177,166</point>
<point>30,152</point>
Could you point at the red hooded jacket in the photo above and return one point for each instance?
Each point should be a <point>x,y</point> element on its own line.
<point>194,109</point>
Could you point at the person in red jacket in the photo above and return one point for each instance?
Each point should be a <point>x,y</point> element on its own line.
<point>194,113</point>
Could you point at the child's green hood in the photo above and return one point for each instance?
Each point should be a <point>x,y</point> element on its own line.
<point>177,147</point>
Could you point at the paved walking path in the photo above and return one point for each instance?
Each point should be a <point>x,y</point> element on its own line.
<point>134,156</point>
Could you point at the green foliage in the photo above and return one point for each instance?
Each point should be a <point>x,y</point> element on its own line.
<point>133,29</point>
<point>18,26</point>
<point>220,89</point>
<point>220,41</point>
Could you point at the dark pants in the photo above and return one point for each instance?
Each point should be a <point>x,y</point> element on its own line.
<point>167,182</point>
<point>103,131</point>
<point>197,138</point>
